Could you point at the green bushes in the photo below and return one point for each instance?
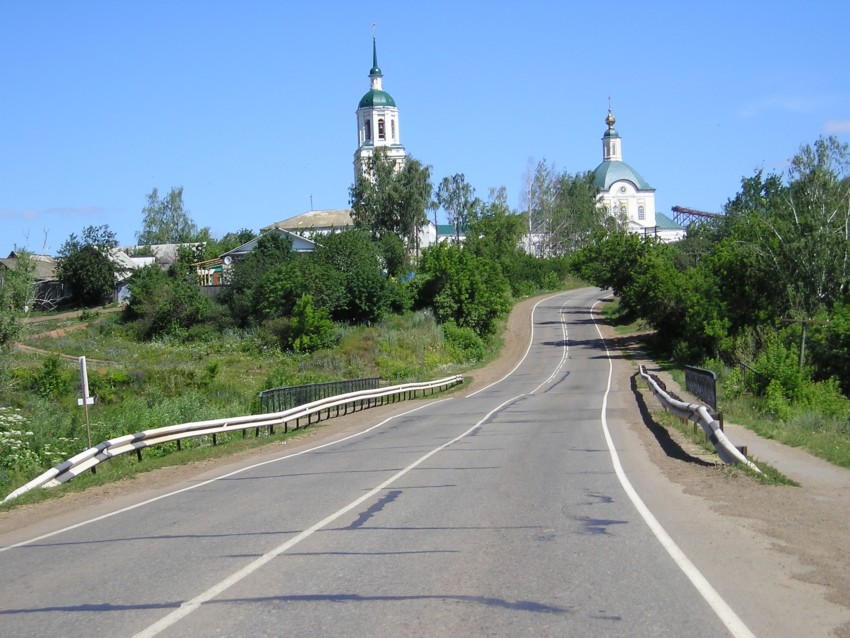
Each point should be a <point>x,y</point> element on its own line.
<point>465,289</point>
<point>464,345</point>
<point>165,302</point>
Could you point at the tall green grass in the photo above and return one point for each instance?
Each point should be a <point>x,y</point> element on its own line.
<point>145,385</point>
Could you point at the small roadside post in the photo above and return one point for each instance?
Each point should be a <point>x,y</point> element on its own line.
<point>86,401</point>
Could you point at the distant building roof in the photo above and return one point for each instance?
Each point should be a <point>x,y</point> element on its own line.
<point>316,220</point>
<point>45,265</point>
<point>299,244</point>
<point>665,223</point>
<point>611,171</point>
<point>446,230</point>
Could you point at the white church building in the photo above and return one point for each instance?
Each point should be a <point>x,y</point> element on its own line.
<point>626,195</point>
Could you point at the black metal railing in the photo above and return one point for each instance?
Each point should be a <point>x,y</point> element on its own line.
<point>702,384</point>
<point>280,399</point>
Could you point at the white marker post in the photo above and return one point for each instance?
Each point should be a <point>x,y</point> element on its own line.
<point>86,401</point>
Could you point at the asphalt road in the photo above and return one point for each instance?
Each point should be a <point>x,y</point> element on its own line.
<point>494,514</point>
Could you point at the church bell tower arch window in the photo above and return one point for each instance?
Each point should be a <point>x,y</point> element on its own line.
<point>368,130</point>
<point>382,134</point>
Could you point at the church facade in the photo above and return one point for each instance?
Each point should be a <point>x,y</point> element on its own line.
<point>626,195</point>
<point>622,191</point>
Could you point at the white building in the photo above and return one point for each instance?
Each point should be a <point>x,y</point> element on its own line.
<point>377,122</point>
<point>627,195</point>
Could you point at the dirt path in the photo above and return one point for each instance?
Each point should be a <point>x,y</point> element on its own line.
<point>810,523</point>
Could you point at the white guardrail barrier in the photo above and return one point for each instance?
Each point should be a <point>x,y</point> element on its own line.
<point>699,414</point>
<point>88,459</point>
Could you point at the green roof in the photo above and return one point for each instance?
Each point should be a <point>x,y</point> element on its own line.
<point>611,171</point>
<point>445,230</point>
<point>376,97</point>
<point>665,223</point>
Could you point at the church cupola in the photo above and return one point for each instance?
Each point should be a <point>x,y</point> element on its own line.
<point>622,191</point>
<point>611,143</point>
<point>377,120</point>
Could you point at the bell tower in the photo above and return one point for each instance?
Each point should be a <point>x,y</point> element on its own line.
<point>377,120</point>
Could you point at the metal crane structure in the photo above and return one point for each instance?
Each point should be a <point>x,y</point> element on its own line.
<point>687,216</point>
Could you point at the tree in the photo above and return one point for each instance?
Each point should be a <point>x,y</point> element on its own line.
<point>242,288</point>
<point>388,199</point>
<point>165,221</point>
<point>458,199</point>
<point>495,231</point>
<point>166,302</point>
<point>576,214</point>
<point>539,199</point>
<point>85,267</point>
<point>462,288</point>
<point>357,259</point>
<point>799,233</point>
<point>17,288</point>
<point>563,212</point>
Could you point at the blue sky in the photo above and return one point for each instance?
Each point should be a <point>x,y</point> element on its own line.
<point>250,105</point>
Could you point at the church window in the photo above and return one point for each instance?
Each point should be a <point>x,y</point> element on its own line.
<point>382,134</point>
<point>368,130</point>
<point>641,213</point>
<point>393,129</point>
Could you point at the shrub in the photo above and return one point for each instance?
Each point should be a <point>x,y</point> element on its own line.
<point>53,380</point>
<point>464,345</point>
<point>311,328</point>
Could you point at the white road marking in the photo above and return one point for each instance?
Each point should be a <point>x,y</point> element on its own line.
<point>565,350</point>
<point>213,480</point>
<point>727,616</point>
<point>192,605</point>
<point>527,350</point>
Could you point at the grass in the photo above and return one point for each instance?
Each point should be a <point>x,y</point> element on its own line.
<point>167,455</point>
<point>823,435</point>
<point>168,381</point>
<point>693,433</point>
<point>147,385</point>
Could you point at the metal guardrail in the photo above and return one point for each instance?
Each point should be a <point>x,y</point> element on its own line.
<point>702,384</point>
<point>699,414</point>
<point>363,399</point>
<point>279,399</point>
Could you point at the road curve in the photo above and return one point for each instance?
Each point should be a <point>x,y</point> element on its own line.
<point>504,512</point>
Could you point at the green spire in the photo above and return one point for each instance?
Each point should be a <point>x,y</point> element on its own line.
<point>375,72</point>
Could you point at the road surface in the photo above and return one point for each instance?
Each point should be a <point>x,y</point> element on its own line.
<point>504,512</point>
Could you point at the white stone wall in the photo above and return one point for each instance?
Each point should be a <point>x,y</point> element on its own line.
<point>624,194</point>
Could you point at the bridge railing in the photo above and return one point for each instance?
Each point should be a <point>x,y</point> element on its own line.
<point>329,406</point>
<point>702,384</point>
<point>278,399</point>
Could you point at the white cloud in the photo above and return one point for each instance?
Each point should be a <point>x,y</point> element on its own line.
<point>833,127</point>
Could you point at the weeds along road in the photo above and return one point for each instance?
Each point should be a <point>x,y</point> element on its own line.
<point>498,513</point>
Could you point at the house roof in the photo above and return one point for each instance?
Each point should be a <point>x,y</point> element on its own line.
<point>299,244</point>
<point>333,219</point>
<point>45,265</point>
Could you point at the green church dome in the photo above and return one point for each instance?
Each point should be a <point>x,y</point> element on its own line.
<point>376,97</point>
<point>610,171</point>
